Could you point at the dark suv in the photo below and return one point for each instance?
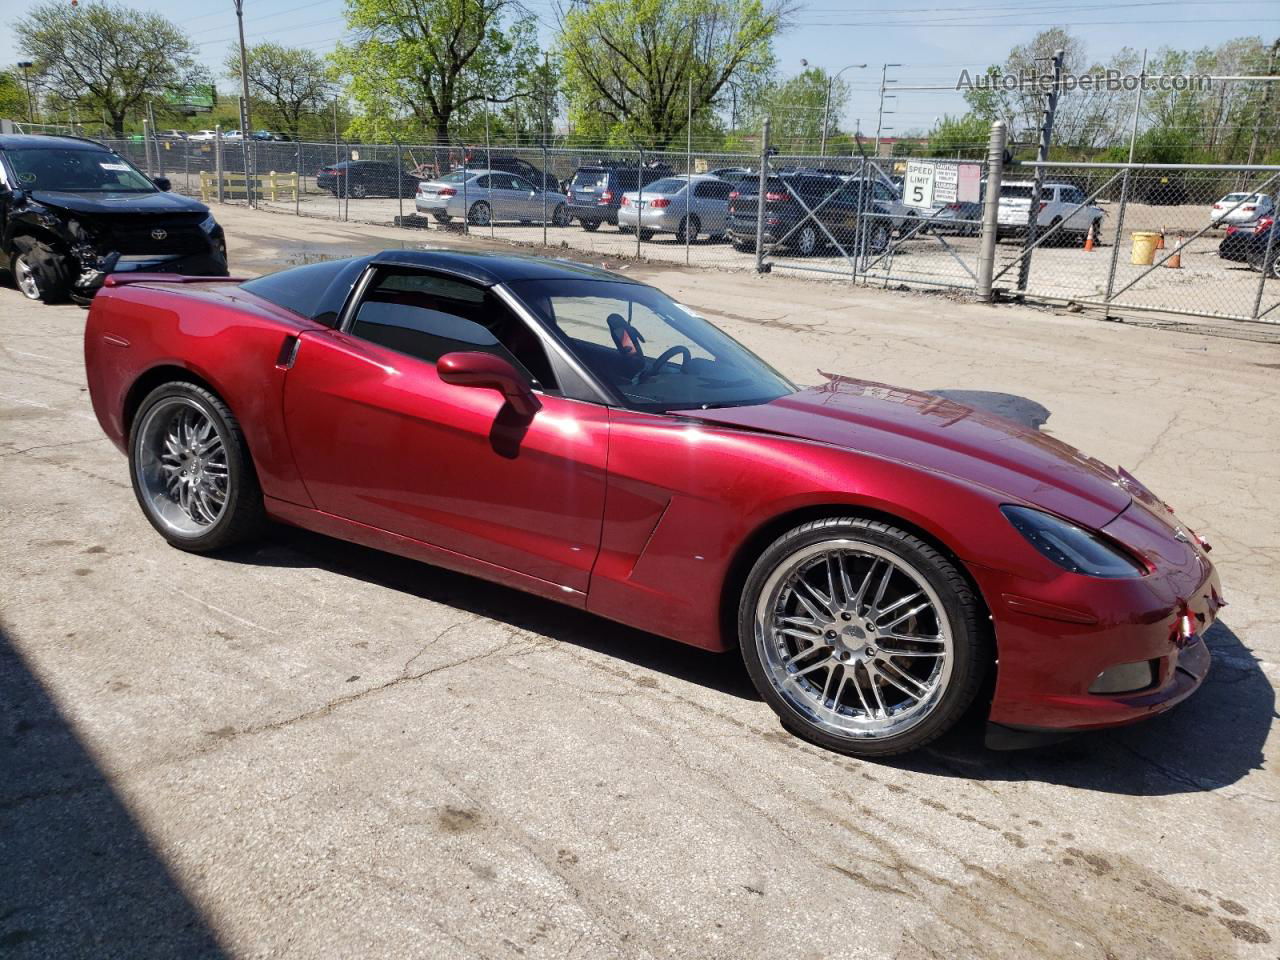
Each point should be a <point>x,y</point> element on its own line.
<point>72,211</point>
<point>835,209</point>
<point>595,193</point>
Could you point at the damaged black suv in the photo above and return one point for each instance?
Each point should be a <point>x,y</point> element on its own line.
<point>73,211</point>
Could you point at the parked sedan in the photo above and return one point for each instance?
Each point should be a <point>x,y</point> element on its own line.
<point>879,558</point>
<point>1254,245</point>
<point>489,196</point>
<point>1241,208</point>
<point>366,178</point>
<point>668,206</point>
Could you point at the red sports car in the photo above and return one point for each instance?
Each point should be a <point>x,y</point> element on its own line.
<point>874,553</point>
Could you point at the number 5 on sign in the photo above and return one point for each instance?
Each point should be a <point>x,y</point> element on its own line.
<point>918,186</point>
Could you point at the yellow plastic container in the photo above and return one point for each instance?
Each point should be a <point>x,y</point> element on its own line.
<point>1144,248</point>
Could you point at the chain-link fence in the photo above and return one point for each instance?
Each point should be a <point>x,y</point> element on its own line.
<point>1189,239</point>
<point>1193,240</point>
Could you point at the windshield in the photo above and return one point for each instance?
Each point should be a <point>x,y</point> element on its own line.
<point>81,171</point>
<point>1015,193</point>
<point>655,353</point>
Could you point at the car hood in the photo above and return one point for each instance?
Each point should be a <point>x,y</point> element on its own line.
<point>119,203</point>
<point>944,436</point>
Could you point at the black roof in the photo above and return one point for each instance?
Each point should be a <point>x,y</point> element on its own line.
<point>493,268</point>
<point>41,142</point>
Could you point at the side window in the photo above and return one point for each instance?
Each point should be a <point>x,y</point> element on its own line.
<point>706,189</point>
<point>486,182</point>
<point>425,315</point>
<point>518,183</point>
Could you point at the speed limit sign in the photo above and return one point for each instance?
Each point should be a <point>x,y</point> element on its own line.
<point>917,188</point>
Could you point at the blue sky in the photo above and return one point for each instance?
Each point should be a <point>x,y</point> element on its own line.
<point>932,39</point>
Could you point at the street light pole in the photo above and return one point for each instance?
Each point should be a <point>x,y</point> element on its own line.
<point>826,104</point>
<point>26,65</point>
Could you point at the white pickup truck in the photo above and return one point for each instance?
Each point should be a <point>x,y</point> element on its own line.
<point>1058,202</point>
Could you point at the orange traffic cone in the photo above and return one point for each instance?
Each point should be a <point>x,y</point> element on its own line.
<point>1088,240</point>
<point>1160,242</point>
<point>1175,262</point>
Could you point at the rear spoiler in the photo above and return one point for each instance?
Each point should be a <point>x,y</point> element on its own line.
<point>124,279</point>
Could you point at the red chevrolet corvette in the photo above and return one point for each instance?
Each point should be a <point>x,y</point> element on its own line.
<point>874,553</point>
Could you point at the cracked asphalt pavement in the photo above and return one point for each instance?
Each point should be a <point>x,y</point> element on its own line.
<point>309,749</point>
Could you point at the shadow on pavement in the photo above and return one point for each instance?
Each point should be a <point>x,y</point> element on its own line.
<point>1210,741</point>
<point>294,547</point>
<point>78,877</point>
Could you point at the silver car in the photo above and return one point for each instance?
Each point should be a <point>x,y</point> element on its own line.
<point>667,206</point>
<point>489,196</point>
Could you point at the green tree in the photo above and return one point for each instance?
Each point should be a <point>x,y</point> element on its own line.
<point>964,136</point>
<point>104,56</point>
<point>285,83</point>
<point>795,108</point>
<point>630,64</point>
<point>433,61</point>
<point>13,95</point>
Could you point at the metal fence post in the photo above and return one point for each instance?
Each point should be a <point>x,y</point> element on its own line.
<point>466,204</point>
<point>543,191</point>
<point>399,186</point>
<point>217,160</point>
<point>639,196</point>
<point>297,182</point>
<point>1042,155</point>
<point>1265,267</point>
<point>991,209</point>
<point>764,176</point>
<point>1115,246</point>
<point>688,174</point>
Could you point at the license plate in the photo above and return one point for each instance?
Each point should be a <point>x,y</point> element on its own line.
<point>586,190</point>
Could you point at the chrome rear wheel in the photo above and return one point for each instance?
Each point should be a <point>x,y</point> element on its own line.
<point>181,466</point>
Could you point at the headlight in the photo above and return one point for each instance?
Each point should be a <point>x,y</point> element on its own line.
<point>1070,547</point>
<point>208,224</point>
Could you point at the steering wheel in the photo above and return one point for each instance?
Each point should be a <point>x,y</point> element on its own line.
<point>660,361</point>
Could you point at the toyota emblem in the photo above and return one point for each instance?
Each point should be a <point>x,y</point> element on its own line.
<point>158,234</point>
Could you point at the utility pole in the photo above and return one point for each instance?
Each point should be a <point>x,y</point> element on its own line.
<point>884,80</point>
<point>1266,101</point>
<point>1042,155</point>
<point>826,103</point>
<point>245,124</point>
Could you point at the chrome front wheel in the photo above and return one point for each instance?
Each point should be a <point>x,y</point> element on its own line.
<point>25,277</point>
<point>861,636</point>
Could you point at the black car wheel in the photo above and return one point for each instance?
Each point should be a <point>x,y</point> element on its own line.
<point>359,191</point>
<point>442,217</point>
<point>646,235</point>
<point>743,246</point>
<point>479,214</point>
<point>862,637</point>
<point>40,272</point>
<point>560,216</point>
<point>590,225</point>
<point>880,238</point>
<point>688,230</point>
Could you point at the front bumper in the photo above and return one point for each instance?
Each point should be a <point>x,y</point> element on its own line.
<point>91,276</point>
<point>1055,640</point>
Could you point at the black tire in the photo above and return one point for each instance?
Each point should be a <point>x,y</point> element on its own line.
<point>971,647</point>
<point>243,517</point>
<point>692,226</point>
<point>47,271</point>
<point>442,217</point>
<point>480,214</point>
<point>743,246</point>
<point>880,238</point>
<point>590,225</point>
<point>359,191</point>
<point>1059,236</point>
<point>560,216</point>
<point>647,235</point>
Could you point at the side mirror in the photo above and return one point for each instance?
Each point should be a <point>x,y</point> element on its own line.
<point>469,369</point>
<point>162,182</point>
